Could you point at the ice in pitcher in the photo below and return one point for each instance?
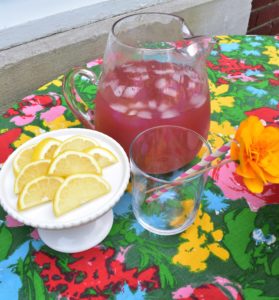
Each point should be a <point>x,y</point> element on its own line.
<point>142,94</point>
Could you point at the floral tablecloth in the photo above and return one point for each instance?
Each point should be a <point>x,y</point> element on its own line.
<point>230,252</point>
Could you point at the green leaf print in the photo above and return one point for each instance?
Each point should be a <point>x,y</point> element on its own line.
<point>275,267</point>
<point>32,284</point>
<point>2,212</point>
<point>240,226</point>
<point>6,238</point>
<point>256,294</point>
<point>19,236</point>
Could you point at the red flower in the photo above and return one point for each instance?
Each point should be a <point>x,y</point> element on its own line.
<point>209,292</point>
<point>46,100</point>
<point>222,81</point>
<point>95,270</point>
<point>221,289</point>
<point>269,115</point>
<point>6,139</point>
<point>274,82</point>
<point>232,66</point>
<point>43,100</point>
<point>10,112</point>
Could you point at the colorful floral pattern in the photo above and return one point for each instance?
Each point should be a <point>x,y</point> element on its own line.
<point>230,252</point>
<point>201,241</point>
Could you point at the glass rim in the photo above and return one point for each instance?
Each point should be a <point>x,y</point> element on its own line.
<point>180,19</point>
<point>134,164</point>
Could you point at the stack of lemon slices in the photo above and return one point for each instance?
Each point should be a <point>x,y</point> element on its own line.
<point>68,173</point>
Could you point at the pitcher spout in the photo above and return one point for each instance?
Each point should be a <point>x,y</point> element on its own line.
<point>198,47</point>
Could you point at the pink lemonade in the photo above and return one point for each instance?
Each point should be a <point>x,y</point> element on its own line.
<point>139,95</point>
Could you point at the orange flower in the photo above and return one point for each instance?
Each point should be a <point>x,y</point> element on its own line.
<point>256,148</point>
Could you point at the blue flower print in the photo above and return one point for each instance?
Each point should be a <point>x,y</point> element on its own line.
<point>123,206</point>
<point>255,91</point>
<point>10,282</point>
<point>229,47</point>
<point>253,73</point>
<point>255,44</point>
<point>214,202</point>
<point>273,101</point>
<point>168,195</point>
<point>251,52</point>
<point>260,238</point>
<point>127,294</point>
<point>214,53</point>
<point>137,227</point>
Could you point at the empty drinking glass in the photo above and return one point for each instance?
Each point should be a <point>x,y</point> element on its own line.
<point>163,201</point>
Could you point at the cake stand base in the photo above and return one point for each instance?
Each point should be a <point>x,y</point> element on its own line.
<point>80,238</point>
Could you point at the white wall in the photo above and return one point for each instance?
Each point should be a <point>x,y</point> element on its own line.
<point>23,21</point>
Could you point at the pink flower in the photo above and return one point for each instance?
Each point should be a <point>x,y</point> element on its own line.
<point>53,113</point>
<point>29,115</point>
<point>94,62</point>
<point>35,235</point>
<point>233,188</point>
<point>228,285</point>
<point>11,222</point>
<point>32,109</point>
<point>23,120</point>
<point>241,76</point>
<point>29,107</point>
<point>183,292</point>
<point>121,254</point>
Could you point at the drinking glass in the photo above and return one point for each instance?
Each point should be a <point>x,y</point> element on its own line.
<point>161,203</point>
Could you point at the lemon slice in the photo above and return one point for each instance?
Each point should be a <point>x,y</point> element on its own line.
<point>29,172</point>
<point>38,191</point>
<point>103,156</point>
<point>23,158</point>
<point>77,190</point>
<point>73,162</point>
<point>45,149</point>
<point>75,143</point>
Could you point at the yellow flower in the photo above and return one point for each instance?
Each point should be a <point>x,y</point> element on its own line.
<point>201,241</point>
<point>188,207</point>
<point>21,140</point>
<point>3,130</point>
<point>35,130</point>
<point>273,54</point>
<point>225,39</point>
<point>129,187</point>
<point>57,82</point>
<point>256,147</point>
<point>218,101</point>
<point>60,123</point>
<point>220,134</point>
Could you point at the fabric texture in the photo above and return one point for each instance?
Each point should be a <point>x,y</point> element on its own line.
<point>230,252</point>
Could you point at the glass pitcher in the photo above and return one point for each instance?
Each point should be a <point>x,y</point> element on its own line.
<point>153,73</point>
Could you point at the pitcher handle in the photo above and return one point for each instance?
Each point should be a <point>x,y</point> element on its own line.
<point>79,108</point>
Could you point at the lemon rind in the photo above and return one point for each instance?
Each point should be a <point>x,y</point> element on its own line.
<point>37,162</point>
<point>67,181</point>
